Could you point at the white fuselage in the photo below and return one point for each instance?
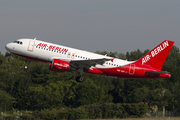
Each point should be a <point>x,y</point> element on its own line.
<point>46,51</point>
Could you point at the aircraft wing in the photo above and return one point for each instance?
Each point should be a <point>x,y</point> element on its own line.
<point>88,63</point>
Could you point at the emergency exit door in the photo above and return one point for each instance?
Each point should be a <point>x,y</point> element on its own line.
<point>132,69</point>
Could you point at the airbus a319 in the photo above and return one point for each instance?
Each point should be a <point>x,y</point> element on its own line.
<point>61,58</point>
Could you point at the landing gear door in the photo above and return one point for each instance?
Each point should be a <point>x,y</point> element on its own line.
<point>31,46</point>
<point>132,69</point>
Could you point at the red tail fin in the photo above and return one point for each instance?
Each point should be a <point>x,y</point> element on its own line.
<point>158,55</point>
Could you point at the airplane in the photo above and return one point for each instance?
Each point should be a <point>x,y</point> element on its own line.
<point>62,58</point>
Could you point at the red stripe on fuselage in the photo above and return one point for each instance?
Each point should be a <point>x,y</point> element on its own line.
<point>124,73</point>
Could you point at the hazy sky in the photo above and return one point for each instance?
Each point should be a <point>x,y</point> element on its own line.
<point>92,25</point>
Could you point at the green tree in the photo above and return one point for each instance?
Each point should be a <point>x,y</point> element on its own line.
<point>87,93</point>
<point>6,101</point>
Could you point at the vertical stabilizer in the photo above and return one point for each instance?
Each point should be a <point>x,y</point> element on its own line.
<point>156,57</point>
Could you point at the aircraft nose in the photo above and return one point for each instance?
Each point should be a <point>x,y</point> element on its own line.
<point>8,47</point>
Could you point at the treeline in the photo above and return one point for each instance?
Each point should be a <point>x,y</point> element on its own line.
<point>104,111</point>
<point>38,89</point>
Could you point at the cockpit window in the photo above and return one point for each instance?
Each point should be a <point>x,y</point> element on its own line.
<point>18,42</point>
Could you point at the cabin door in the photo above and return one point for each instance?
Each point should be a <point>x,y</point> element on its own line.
<point>31,45</point>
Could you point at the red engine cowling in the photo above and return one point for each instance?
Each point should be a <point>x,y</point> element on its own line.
<point>59,65</point>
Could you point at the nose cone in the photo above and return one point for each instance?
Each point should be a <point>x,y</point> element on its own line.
<point>8,47</point>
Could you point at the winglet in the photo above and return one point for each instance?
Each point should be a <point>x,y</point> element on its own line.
<point>112,59</point>
<point>156,57</point>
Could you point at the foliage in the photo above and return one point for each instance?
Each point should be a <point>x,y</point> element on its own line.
<point>57,95</point>
<point>95,111</point>
<point>6,101</point>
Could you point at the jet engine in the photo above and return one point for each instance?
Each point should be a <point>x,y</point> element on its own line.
<point>59,65</point>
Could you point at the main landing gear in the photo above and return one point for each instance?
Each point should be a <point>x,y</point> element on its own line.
<point>27,63</point>
<point>80,77</point>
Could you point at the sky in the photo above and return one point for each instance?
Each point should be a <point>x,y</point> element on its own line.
<point>92,25</point>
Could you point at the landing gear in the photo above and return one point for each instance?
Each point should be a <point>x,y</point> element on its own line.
<point>25,67</point>
<point>27,63</point>
<point>80,79</point>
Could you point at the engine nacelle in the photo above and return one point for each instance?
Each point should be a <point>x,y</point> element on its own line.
<point>59,65</point>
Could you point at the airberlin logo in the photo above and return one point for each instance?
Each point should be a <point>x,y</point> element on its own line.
<point>52,47</point>
<point>61,65</point>
<point>155,52</point>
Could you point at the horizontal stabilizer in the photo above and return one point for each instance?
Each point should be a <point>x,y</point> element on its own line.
<point>156,72</point>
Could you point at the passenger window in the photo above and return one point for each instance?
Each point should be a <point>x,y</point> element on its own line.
<point>114,64</point>
<point>55,51</point>
<point>18,42</point>
<point>62,52</point>
<point>21,43</point>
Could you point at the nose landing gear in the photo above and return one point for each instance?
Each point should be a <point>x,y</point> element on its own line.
<point>27,63</point>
